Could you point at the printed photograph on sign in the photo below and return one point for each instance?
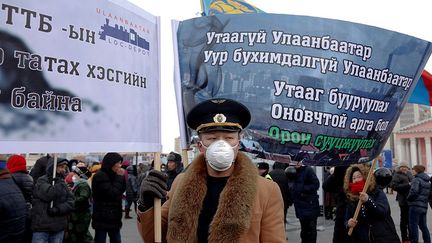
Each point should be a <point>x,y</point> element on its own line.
<point>320,91</point>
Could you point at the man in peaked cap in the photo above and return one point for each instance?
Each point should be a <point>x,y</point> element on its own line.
<point>219,197</point>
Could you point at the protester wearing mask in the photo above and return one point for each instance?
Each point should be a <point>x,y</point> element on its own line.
<point>79,220</point>
<point>374,222</point>
<point>219,197</point>
<point>52,204</point>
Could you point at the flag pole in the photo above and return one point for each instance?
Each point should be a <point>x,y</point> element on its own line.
<point>202,8</point>
<point>359,204</point>
<point>157,206</point>
<point>54,176</point>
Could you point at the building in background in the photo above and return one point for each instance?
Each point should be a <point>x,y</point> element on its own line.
<point>411,138</point>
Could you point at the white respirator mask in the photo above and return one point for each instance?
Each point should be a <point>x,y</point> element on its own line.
<point>220,155</point>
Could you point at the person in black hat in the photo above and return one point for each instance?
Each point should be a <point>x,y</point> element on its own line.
<point>219,197</point>
<point>263,170</point>
<point>174,167</point>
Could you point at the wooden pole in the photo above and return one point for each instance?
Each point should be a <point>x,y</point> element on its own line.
<point>185,158</point>
<point>157,206</point>
<point>359,204</point>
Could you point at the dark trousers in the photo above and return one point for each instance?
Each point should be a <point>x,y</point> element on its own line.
<point>100,236</point>
<point>417,219</point>
<point>308,233</point>
<point>404,222</point>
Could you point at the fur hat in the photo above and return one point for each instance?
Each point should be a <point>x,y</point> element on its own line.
<point>174,157</point>
<point>16,163</point>
<point>364,170</point>
<point>404,164</point>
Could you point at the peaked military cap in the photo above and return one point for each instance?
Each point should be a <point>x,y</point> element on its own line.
<point>218,115</point>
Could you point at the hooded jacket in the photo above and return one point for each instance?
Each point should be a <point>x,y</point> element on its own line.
<point>43,194</point>
<point>250,207</point>
<point>108,188</point>
<point>375,223</point>
<point>304,187</point>
<point>418,195</point>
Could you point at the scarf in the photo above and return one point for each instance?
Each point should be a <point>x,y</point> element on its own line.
<point>357,187</point>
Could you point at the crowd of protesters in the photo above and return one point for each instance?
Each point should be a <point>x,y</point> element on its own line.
<point>61,204</point>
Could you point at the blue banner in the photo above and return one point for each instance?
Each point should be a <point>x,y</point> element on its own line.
<point>321,91</point>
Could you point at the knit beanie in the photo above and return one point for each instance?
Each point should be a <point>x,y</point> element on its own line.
<point>16,163</point>
<point>110,159</point>
<point>2,162</point>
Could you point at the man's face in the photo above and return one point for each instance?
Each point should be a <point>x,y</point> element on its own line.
<point>233,138</point>
<point>403,169</point>
<point>61,169</point>
<point>116,166</point>
<point>171,165</point>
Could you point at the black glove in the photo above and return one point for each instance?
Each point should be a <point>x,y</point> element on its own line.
<point>53,211</point>
<point>154,185</point>
<point>50,179</point>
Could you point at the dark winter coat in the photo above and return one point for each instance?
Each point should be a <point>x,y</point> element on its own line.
<point>418,195</point>
<point>12,209</point>
<point>304,189</point>
<point>334,184</point>
<point>43,194</point>
<point>172,174</point>
<point>279,176</point>
<point>249,210</point>
<point>375,223</point>
<point>39,169</point>
<point>108,188</point>
<point>401,184</point>
<point>25,183</point>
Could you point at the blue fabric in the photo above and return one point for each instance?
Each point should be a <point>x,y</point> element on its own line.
<point>50,237</point>
<point>2,164</point>
<point>114,235</point>
<point>420,95</point>
<point>417,219</point>
<point>304,192</point>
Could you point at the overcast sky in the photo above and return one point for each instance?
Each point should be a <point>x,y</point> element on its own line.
<point>408,17</point>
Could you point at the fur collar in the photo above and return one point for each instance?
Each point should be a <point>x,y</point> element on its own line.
<point>348,175</point>
<point>5,174</point>
<point>232,218</point>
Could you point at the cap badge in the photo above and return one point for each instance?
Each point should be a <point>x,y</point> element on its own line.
<point>219,118</point>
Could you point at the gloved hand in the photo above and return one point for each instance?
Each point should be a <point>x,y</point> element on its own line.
<point>53,211</point>
<point>50,179</point>
<point>154,185</point>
